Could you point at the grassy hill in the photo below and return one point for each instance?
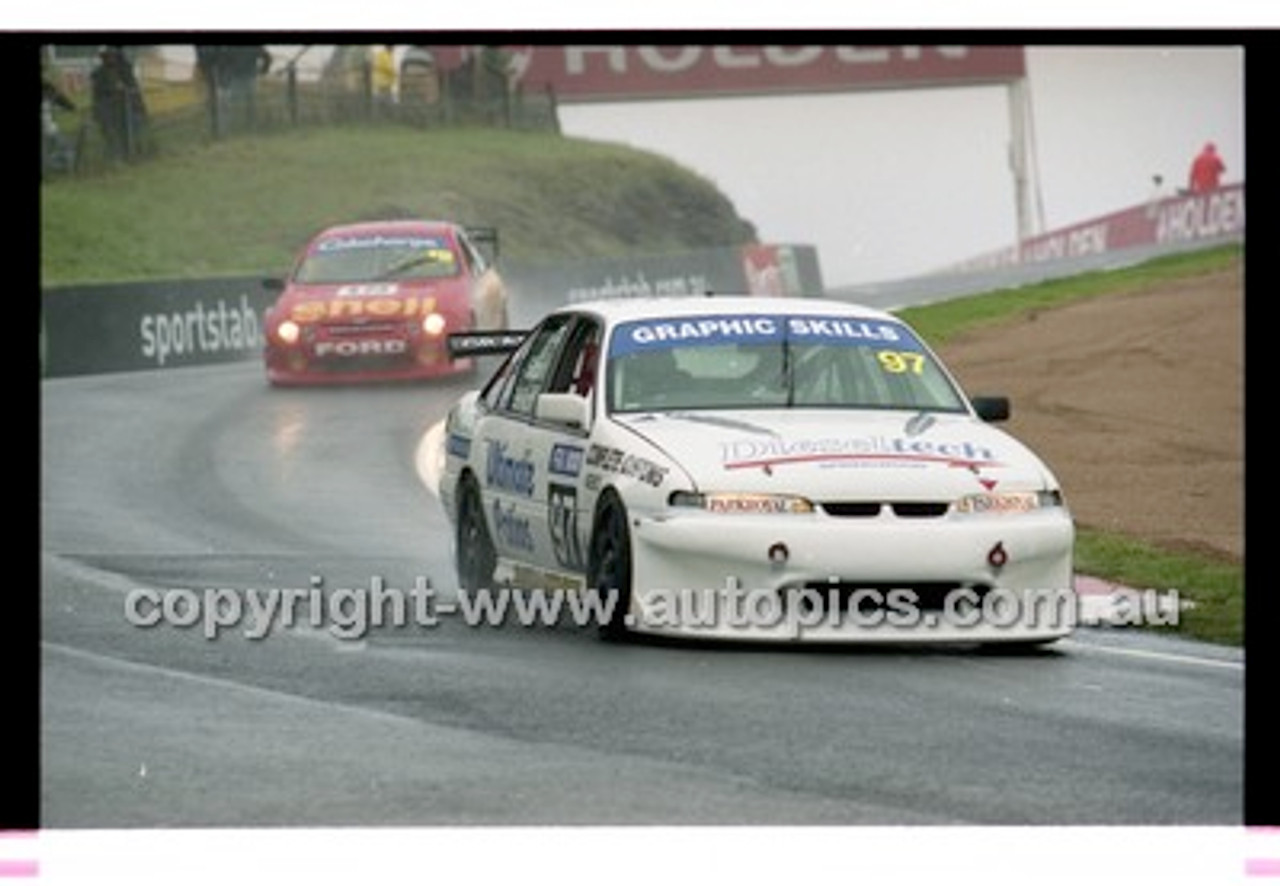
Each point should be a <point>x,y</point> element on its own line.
<point>243,206</point>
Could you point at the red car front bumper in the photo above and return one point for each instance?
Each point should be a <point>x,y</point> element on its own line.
<point>355,359</point>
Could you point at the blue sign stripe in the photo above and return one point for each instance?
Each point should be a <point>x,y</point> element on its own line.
<point>722,329</point>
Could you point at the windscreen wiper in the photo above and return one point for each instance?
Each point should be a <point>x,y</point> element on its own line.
<point>405,264</point>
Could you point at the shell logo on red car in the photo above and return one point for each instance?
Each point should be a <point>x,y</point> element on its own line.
<point>342,308</point>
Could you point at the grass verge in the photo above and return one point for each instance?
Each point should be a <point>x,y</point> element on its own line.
<point>1213,584</point>
<point>246,205</point>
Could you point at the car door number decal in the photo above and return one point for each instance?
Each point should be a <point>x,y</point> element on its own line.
<point>562,517</point>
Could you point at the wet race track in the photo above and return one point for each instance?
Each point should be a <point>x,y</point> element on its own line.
<point>205,478</point>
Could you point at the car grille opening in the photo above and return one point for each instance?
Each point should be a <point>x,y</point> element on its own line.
<point>919,509</point>
<point>872,597</point>
<point>910,510</point>
<point>364,363</point>
<point>376,328</point>
<point>853,508</point>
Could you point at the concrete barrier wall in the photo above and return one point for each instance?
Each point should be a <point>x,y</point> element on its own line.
<point>160,324</point>
<point>758,270</point>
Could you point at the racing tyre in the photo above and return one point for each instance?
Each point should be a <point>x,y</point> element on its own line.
<point>609,563</point>
<point>474,555</point>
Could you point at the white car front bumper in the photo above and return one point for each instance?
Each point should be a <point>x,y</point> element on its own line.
<point>974,579</point>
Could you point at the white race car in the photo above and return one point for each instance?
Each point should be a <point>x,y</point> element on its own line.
<point>754,468</point>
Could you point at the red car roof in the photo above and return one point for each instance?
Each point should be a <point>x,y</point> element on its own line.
<point>401,225</point>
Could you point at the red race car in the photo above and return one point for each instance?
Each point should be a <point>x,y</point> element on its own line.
<point>376,301</point>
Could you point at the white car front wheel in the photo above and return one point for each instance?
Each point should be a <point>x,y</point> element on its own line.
<point>474,554</point>
<point>609,563</point>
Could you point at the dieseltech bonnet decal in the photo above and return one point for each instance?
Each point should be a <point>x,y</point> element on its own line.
<point>757,452</point>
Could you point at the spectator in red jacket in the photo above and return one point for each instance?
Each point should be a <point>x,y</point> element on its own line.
<point>1206,170</point>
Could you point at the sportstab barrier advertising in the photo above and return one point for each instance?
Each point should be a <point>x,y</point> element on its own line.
<point>165,324</point>
<point>161,324</point>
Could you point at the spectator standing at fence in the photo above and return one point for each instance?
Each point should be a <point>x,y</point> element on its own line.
<point>56,154</point>
<point>209,66</point>
<point>242,66</point>
<point>117,103</point>
<point>1206,170</point>
<point>231,76</point>
<point>419,82</point>
<point>383,77</point>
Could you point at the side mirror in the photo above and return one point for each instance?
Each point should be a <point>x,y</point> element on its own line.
<point>992,409</point>
<point>273,284</point>
<point>570,410</point>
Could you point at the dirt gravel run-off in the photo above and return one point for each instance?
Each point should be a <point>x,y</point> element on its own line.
<point>1136,401</point>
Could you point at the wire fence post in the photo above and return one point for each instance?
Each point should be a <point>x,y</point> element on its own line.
<point>291,92</point>
<point>366,83</point>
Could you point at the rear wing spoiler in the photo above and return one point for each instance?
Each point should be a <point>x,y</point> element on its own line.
<point>486,238</point>
<point>479,344</point>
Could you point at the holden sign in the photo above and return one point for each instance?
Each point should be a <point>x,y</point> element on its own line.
<point>618,73</point>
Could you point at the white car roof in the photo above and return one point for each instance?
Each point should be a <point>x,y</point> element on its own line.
<point>621,310</point>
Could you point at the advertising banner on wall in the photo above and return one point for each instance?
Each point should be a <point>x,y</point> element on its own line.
<point>597,73</point>
<point>160,324</point>
<point>1166,224</point>
<point>759,269</point>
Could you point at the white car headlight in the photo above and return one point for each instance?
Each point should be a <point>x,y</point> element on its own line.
<point>742,502</point>
<point>1008,502</point>
<point>288,332</point>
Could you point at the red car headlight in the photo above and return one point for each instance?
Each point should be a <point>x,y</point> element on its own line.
<point>434,324</point>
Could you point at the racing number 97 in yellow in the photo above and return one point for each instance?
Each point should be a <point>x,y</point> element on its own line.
<point>901,361</point>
